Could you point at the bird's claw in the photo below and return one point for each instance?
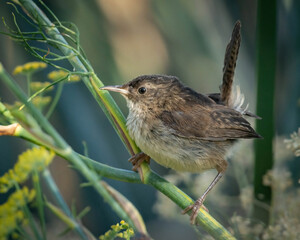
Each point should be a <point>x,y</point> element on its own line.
<point>137,160</point>
<point>195,208</point>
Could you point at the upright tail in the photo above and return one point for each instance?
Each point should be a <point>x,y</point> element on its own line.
<point>230,96</point>
<point>230,59</point>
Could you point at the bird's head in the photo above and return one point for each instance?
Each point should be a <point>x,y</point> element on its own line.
<point>148,91</point>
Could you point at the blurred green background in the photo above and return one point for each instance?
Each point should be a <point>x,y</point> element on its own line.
<point>124,39</point>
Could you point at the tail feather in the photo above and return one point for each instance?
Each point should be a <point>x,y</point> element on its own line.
<point>230,96</point>
<point>230,59</point>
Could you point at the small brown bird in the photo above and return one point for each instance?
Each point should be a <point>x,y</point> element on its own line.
<point>185,130</point>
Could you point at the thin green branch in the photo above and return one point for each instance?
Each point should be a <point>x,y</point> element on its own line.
<point>54,16</point>
<point>30,218</point>
<point>28,78</point>
<point>21,35</point>
<point>39,200</point>
<point>32,223</point>
<point>49,53</point>
<point>23,233</point>
<point>47,87</point>
<point>55,100</point>
<point>61,202</point>
<point>22,16</point>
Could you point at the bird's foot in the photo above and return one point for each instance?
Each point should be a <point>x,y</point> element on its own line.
<point>137,160</point>
<point>195,208</point>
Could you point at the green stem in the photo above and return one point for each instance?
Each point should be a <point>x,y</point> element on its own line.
<point>28,78</point>
<point>61,202</point>
<point>55,100</point>
<point>266,73</point>
<point>32,223</point>
<point>101,169</point>
<point>30,218</point>
<point>23,233</point>
<point>208,223</point>
<point>39,200</point>
<point>111,172</point>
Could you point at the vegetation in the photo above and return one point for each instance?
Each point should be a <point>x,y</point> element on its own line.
<point>32,194</point>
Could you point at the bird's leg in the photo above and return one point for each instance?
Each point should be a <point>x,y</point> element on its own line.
<point>137,160</point>
<point>199,202</point>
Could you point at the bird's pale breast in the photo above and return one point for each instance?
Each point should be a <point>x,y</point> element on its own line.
<point>169,150</point>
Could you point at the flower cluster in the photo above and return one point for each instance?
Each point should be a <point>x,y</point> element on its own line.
<point>121,230</point>
<point>60,74</point>
<point>33,159</point>
<point>41,102</point>
<point>29,68</point>
<point>11,212</point>
<point>37,86</point>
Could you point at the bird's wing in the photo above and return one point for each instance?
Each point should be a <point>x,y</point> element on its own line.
<point>219,124</point>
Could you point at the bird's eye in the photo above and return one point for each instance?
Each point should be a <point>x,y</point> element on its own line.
<point>142,90</point>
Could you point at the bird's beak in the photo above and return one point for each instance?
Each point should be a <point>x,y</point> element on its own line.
<point>116,88</point>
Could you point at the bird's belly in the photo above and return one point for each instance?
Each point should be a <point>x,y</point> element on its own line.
<point>175,156</point>
<point>169,150</point>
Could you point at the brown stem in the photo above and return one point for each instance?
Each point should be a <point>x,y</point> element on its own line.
<point>8,130</point>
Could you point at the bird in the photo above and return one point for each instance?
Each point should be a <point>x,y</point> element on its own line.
<point>182,129</point>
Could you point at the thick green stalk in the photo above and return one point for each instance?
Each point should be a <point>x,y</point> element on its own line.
<point>208,223</point>
<point>266,70</point>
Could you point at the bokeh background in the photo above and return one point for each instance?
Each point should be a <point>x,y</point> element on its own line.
<point>124,39</point>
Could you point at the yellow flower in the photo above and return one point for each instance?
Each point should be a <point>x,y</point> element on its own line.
<point>41,102</point>
<point>57,75</point>
<point>11,212</point>
<point>16,105</point>
<point>29,67</point>
<point>38,101</point>
<point>33,159</point>
<point>121,230</point>
<point>37,86</point>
